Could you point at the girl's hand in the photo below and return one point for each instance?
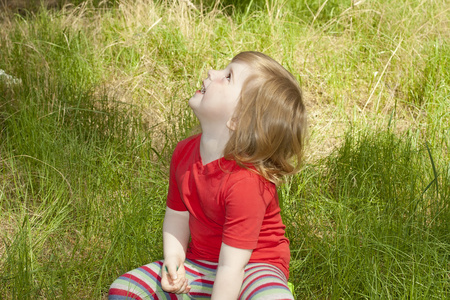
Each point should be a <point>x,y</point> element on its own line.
<point>176,238</point>
<point>173,278</point>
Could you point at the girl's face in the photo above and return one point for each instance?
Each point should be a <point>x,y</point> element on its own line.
<point>215,103</point>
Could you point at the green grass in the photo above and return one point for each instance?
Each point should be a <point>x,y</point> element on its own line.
<point>374,222</point>
<point>86,138</point>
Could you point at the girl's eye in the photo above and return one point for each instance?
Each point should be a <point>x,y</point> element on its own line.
<point>228,77</point>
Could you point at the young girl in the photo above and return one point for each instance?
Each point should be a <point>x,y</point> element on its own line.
<point>223,233</point>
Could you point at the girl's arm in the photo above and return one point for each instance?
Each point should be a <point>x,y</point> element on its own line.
<point>230,272</point>
<point>175,240</point>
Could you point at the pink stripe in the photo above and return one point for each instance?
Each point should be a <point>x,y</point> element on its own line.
<point>200,294</point>
<point>140,281</point>
<point>265,285</point>
<point>119,292</point>
<point>206,265</point>
<point>247,285</point>
<point>152,272</point>
<point>275,269</point>
<point>211,282</point>
<point>171,295</point>
<point>265,274</point>
<point>251,268</point>
<point>187,268</point>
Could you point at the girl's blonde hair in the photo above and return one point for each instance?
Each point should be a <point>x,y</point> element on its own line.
<point>270,119</point>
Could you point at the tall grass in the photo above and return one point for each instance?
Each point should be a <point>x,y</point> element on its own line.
<point>371,221</point>
<point>100,100</point>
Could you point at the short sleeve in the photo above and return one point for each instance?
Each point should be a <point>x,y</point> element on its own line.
<point>245,207</point>
<point>174,200</point>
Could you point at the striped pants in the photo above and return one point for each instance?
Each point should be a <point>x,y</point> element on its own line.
<point>261,281</point>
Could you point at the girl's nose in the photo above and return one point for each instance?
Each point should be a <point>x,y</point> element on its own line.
<point>211,74</point>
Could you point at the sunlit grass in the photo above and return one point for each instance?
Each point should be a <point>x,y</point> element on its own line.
<point>87,130</point>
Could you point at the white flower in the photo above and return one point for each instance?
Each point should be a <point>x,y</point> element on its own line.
<point>8,78</point>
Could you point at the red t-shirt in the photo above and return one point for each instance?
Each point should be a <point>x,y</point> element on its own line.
<point>229,204</point>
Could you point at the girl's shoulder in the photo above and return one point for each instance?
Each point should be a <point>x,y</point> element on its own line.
<point>246,184</point>
<point>247,175</point>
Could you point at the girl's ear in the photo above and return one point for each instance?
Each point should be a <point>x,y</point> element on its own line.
<point>231,124</point>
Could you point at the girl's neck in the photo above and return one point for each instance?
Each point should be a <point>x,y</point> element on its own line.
<point>212,144</point>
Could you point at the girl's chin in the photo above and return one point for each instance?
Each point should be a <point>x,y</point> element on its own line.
<point>192,102</point>
<point>197,94</point>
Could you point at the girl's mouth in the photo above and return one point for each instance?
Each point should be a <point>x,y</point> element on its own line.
<point>203,90</point>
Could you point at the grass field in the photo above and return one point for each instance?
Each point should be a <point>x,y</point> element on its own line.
<point>93,98</point>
